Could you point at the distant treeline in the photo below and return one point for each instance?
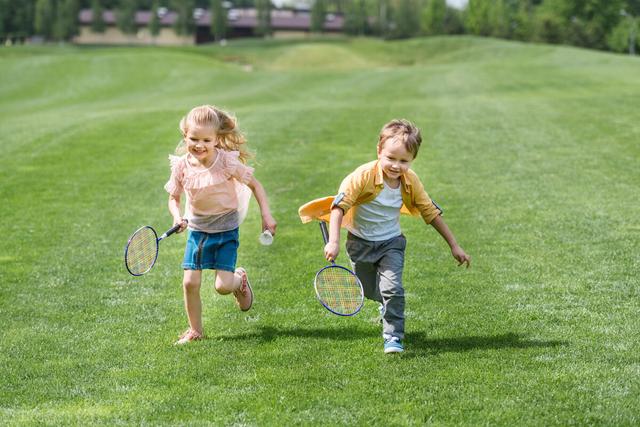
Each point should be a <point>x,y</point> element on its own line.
<point>597,24</point>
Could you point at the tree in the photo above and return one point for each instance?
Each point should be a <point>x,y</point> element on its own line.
<point>126,16</point>
<point>522,21</point>
<point>18,18</point>
<point>263,9</point>
<point>407,21</point>
<point>499,19</point>
<point>66,24</point>
<point>154,22</point>
<point>44,18</point>
<point>477,21</point>
<point>433,17</point>
<point>624,37</point>
<point>184,24</point>
<point>218,20</point>
<point>318,12</point>
<point>355,19</point>
<point>97,21</point>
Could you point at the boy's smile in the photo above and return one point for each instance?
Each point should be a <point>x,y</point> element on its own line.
<point>395,160</point>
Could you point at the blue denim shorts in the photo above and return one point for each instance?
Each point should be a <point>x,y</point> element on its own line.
<point>214,251</point>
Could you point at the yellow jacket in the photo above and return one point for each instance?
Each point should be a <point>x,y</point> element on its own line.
<point>362,186</point>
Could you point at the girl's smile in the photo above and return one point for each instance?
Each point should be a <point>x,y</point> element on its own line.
<point>201,143</point>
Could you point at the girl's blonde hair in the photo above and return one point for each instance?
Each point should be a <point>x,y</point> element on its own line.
<point>225,125</point>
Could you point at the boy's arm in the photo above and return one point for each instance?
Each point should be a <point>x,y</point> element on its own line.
<point>268,223</point>
<point>332,248</point>
<point>457,252</point>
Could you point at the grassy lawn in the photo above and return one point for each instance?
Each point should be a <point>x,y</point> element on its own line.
<point>533,151</point>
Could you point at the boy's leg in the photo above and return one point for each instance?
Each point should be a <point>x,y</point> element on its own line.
<point>364,266</point>
<point>390,269</point>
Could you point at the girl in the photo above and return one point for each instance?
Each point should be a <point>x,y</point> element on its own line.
<point>211,169</point>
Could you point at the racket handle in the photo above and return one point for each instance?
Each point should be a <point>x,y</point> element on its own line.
<point>172,230</point>
<point>325,232</point>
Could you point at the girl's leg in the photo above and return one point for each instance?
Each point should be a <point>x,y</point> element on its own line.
<point>238,283</point>
<point>227,282</point>
<point>192,302</point>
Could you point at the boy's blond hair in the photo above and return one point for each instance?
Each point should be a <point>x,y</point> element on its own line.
<point>225,125</point>
<point>404,131</point>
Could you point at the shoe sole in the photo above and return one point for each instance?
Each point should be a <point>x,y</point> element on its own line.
<point>393,350</point>
<point>248,286</point>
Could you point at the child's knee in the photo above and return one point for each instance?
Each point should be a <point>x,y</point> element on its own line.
<point>191,285</point>
<point>225,283</point>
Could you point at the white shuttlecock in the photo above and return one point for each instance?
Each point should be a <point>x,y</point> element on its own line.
<point>266,238</point>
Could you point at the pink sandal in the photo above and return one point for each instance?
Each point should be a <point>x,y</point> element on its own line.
<point>244,295</point>
<point>188,336</point>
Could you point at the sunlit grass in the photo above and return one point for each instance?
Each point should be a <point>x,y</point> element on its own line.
<point>531,150</point>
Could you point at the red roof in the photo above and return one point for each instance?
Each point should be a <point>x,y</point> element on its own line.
<point>237,18</point>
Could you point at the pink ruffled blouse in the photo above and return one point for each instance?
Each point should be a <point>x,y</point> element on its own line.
<point>219,189</point>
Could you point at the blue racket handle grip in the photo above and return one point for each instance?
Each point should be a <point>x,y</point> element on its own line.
<point>172,230</point>
<point>325,232</point>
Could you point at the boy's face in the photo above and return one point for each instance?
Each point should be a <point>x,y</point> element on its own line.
<point>201,142</point>
<point>394,158</point>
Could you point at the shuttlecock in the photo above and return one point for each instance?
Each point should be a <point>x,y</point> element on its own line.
<point>266,238</point>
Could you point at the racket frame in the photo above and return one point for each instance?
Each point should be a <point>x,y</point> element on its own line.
<point>325,237</point>
<point>166,234</point>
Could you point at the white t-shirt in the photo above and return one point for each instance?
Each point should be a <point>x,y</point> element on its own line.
<point>379,219</point>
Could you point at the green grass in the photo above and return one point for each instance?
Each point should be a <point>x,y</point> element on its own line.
<point>532,150</point>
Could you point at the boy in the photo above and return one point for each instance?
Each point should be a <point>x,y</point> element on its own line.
<point>378,191</point>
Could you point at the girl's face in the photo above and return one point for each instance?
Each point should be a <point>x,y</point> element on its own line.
<point>201,143</point>
<point>394,159</point>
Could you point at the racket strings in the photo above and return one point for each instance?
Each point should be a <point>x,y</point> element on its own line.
<point>339,290</point>
<point>142,251</point>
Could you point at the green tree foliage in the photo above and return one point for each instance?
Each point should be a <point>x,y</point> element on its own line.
<point>184,24</point>
<point>66,24</point>
<point>97,22</point>
<point>624,37</point>
<point>407,21</point>
<point>383,12</point>
<point>433,17</point>
<point>318,15</point>
<point>126,16</point>
<point>218,20</point>
<point>522,21</point>
<point>16,18</point>
<point>44,18</point>
<point>355,19</point>
<point>499,19</point>
<point>477,20</point>
<point>263,10</point>
<point>154,22</point>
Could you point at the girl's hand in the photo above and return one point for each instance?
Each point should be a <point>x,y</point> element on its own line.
<point>268,223</point>
<point>182,222</point>
<point>460,256</point>
<point>331,251</point>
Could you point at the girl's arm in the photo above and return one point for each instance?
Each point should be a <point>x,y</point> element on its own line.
<point>457,252</point>
<point>268,223</point>
<point>332,248</point>
<point>174,210</point>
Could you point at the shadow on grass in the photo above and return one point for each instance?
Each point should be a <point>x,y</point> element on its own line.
<point>268,333</point>
<point>420,344</point>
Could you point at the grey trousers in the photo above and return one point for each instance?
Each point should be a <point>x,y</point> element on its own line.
<point>379,267</point>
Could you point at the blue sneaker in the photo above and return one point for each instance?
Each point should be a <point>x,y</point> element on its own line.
<point>393,345</point>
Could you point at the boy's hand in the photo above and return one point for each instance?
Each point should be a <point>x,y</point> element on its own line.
<point>460,256</point>
<point>331,251</point>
